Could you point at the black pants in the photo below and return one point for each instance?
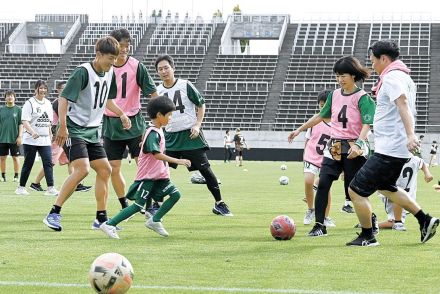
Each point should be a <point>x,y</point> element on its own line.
<point>30,151</point>
<point>228,154</point>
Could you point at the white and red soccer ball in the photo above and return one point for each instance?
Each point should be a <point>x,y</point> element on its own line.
<point>282,228</point>
<point>111,273</point>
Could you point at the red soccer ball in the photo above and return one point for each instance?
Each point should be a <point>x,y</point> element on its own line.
<point>282,227</point>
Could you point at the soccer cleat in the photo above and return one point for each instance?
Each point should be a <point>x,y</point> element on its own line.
<point>21,191</point>
<point>222,209</point>
<point>328,222</point>
<point>318,230</point>
<point>157,227</point>
<point>53,221</point>
<point>36,187</point>
<point>347,208</point>
<point>82,188</point>
<point>309,217</point>
<point>399,227</point>
<point>96,226</point>
<point>109,230</point>
<point>375,224</point>
<point>361,240</point>
<point>15,179</point>
<point>427,230</point>
<point>51,191</point>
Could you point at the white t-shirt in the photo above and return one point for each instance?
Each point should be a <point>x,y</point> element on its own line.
<point>228,142</point>
<point>40,116</point>
<point>389,132</point>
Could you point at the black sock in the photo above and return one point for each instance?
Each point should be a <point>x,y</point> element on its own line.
<point>367,232</point>
<point>16,175</point>
<point>421,217</point>
<point>101,216</point>
<point>396,221</point>
<point>4,175</point>
<point>55,209</point>
<point>124,202</point>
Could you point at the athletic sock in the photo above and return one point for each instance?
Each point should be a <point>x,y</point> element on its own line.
<point>166,206</point>
<point>367,232</point>
<point>124,214</point>
<point>16,175</point>
<point>123,201</point>
<point>55,209</point>
<point>421,217</point>
<point>101,216</point>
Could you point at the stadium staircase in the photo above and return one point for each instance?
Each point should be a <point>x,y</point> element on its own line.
<point>141,50</point>
<point>5,39</point>
<point>434,86</point>
<point>280,73</point>
<point>210,57</point>
<point>361,44</point>
<point>65,59</point>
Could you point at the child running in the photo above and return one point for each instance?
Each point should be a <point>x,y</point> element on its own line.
<point>153,174</point>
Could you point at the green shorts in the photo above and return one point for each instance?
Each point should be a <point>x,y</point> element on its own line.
<point>140,191</point>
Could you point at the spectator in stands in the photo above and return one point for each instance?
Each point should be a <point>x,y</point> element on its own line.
<point>132,78</point>
<point>240,144</point>
<point>11,131</point>
<point>394,141</point>
<point>317,138</point>
<point>58,154</point>
<point>90,88</point>
<point>36,117</point>
<point>351,111</point>
<point>433,153</point>
<point>183,134</point>
<point>229,146</point>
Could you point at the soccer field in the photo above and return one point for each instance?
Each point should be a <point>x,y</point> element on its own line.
<point>206,253</point>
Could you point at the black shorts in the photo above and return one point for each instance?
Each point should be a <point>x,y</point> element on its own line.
<point>76,148</point>
<point>380,172</point>
<point>348,166</point>
<point>198,158</point>
<point>7,148</point>
<point>115,149</point>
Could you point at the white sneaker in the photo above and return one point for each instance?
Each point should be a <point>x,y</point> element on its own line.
<point>21,191</point>
<point>15,179</point>
<point>309,217</point>
<point>328,222</point>
<point>109,230</point>
<point>399,227</point>
<point>51,191</point>
<point>157,227</point>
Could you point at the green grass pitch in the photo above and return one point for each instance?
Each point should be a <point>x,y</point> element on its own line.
<point>206,253</point>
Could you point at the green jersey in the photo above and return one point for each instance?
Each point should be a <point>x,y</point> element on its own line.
<point>87,92</point>
<point>10,120</point>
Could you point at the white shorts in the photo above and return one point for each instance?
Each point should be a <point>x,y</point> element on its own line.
<point>311,168</point>
<point>389,205</point>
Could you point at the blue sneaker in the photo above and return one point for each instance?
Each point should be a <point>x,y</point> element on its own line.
<point>97,225</point>
<point>222,209</point>
<point>53,221</point>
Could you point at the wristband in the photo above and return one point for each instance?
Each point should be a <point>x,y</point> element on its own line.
<point>360,143</point>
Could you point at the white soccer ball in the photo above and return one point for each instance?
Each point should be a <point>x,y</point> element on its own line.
<point>111,273</point>
<point>283,167</point>
<point>284,180</point>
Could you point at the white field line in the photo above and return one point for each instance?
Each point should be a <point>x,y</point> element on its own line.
<point>182,288</point>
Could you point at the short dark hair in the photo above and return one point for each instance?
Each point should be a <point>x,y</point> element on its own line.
<point>322,96</point>
<point>40,83</point>
<point>60,84</point>
<point>385,47</point>
<point>164,57</point>
<point>351,65</point>
<point>161,105</point>
<point>107,45</point>
<point>9,92</point>
<point>121,34</point>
